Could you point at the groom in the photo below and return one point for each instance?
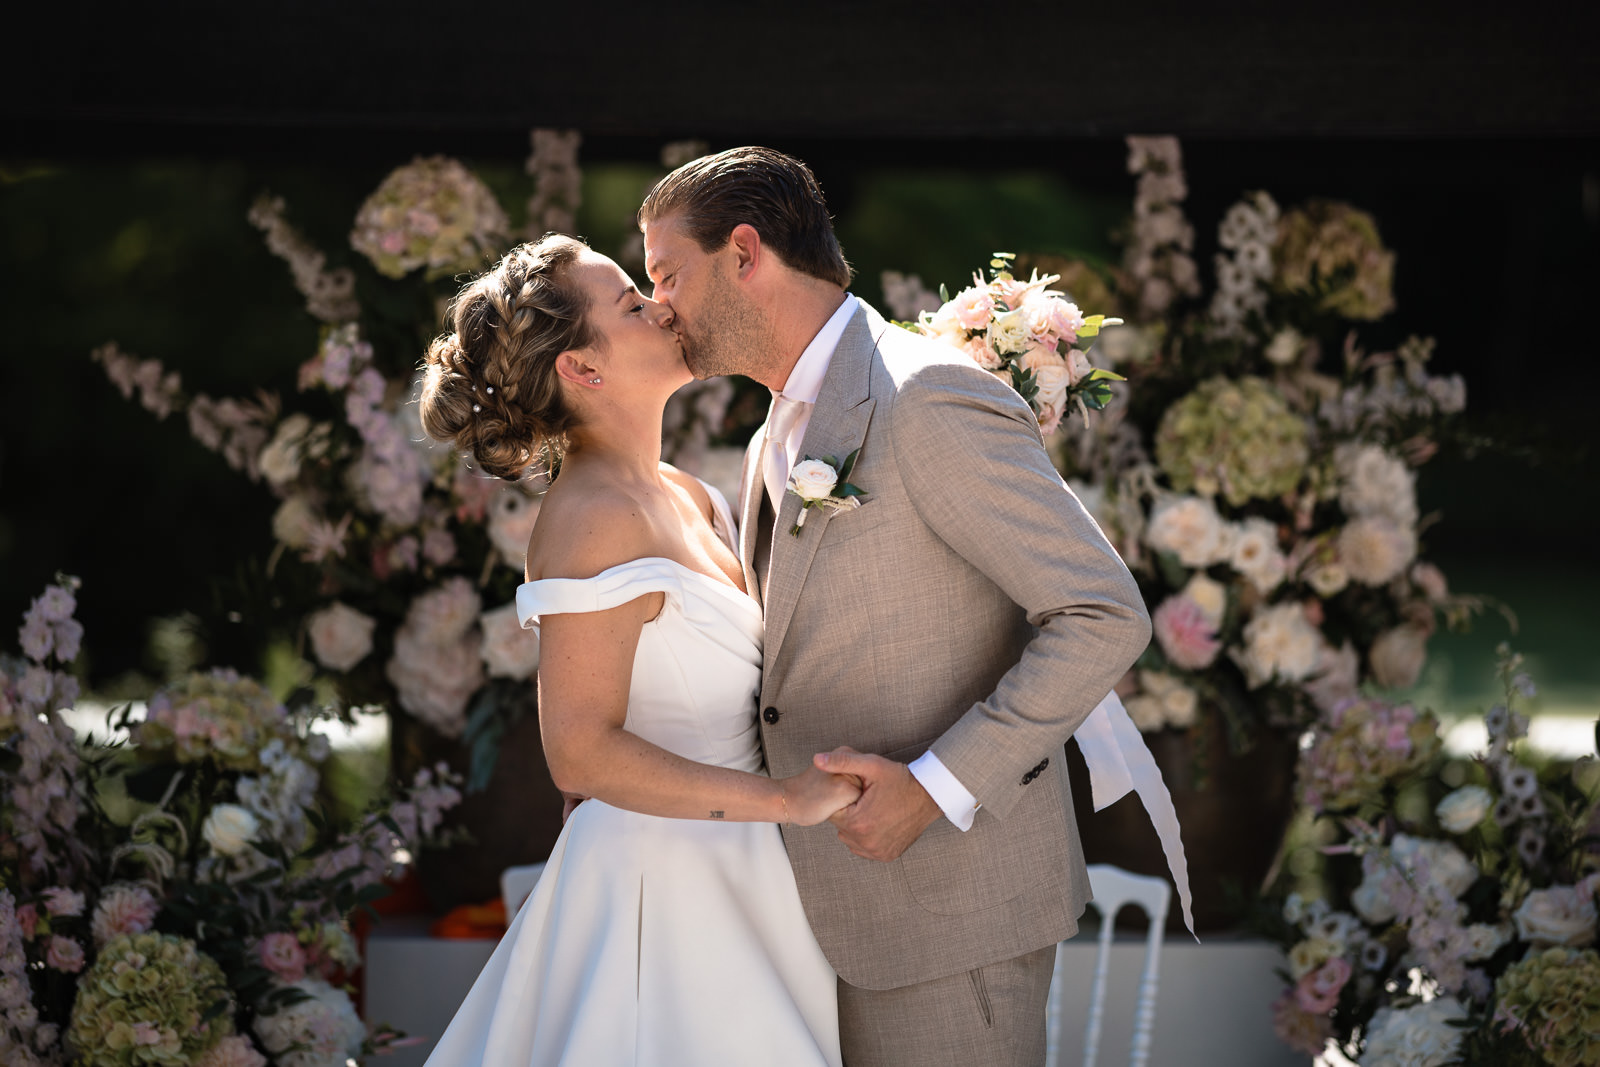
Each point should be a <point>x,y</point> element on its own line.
<point>941,642</point>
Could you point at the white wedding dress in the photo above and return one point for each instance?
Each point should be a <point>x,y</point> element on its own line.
<point>652,941</point>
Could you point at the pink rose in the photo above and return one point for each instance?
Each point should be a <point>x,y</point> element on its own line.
<point>972,308</point>
<point>983,353</point>
<point>1185,633</point>
<point>282,955</point>
<point>64,954</point>
<point>124,908</point>
<point>392,243</point>
<point>62,902</point>
<point>1318,991</point>
<point>27,920</point>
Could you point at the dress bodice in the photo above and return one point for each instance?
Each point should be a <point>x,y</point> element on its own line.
<point>697,670</point>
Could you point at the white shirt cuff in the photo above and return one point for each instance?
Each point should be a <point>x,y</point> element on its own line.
<point>958,805</point>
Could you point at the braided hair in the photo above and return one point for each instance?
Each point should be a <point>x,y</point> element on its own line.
<point>490,387</point>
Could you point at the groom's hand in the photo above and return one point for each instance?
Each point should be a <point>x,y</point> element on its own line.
<point>893,808</point>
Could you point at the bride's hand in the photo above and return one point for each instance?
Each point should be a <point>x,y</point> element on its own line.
<point>813,795</point>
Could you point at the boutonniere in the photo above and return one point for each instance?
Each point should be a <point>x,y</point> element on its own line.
<point>821,483</point>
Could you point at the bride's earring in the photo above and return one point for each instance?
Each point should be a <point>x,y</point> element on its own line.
<point>594,381</point>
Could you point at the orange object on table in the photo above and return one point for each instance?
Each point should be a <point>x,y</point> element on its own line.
<point>469,922</point>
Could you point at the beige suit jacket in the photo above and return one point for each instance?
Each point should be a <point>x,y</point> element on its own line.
<point>970,605</point>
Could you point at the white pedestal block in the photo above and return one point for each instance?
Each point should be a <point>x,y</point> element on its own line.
<point>1214,1008</point>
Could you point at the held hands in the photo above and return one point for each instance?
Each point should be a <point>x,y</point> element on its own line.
<point>813,795</point>
<point>892,811</point>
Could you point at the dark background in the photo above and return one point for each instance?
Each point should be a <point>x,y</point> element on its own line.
<point>135,139</point>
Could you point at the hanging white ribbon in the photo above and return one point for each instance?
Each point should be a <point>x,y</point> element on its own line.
<point>1119,760</point>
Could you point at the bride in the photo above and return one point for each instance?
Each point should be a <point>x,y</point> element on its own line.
<point>666,928</point>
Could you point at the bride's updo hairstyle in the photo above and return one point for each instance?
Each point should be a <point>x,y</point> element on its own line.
<point>490,387</point>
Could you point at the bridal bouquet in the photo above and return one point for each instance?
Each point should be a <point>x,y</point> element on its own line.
<point>181,895</point>
<point>1258,473</point>
<point>1026,334</point>
<point>1458,918</point>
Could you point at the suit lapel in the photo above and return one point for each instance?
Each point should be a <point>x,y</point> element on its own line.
<point>837,427</point>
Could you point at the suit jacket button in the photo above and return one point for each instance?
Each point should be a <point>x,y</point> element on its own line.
<point>771,716</point>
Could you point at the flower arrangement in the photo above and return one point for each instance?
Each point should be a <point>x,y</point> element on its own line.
<point>1456,921</point>
<point>182,895</point>
<point>395,565</point>
<point>1264,499</point>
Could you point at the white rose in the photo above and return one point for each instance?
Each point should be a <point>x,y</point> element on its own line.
<point>341,636</point>
<point>1447,865</point>
<point>509,651</point>
<point>1464,808</point>
<point>1211,597</point>
<point>1397,656</point>
<point>1256,555</point>
<point>1147,713</point>
<point>1484,940</point>
<point>280,460</point>
<point>229,829</point>
<point>1418,1036</point>
<point>292,522</point>
<point>1285,346</point>
<point>1376,483</point>
<point>1009,333</point>
<point>1190,528</point>
<point>1371,903</point>
<point>1049,373</point>
<point>1560,915</point>
<point>320,1030</point>
<point>1279,642</point>
<point>813,479</point>
<point>1181,704</point>
<point>1374,550</point>
<point>1328,579</point>
<point>512,516</point>
<point>442,615</point>
<point>1078,366</point>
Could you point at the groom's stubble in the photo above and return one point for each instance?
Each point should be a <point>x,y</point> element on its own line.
<point>732,335</point>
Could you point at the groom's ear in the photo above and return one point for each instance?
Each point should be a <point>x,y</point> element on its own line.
<point>745,244</point>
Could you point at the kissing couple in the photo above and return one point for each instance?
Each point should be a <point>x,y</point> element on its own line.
<point>821,811</point>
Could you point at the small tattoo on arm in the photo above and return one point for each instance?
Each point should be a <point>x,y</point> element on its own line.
<point>716,815</point>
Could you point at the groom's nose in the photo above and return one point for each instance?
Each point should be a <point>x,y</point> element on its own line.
<point>663,314</point>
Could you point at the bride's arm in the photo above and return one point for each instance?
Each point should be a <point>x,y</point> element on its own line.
<point>585,668</point>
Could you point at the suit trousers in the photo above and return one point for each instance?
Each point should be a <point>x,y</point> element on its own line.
<point>989,1017</point>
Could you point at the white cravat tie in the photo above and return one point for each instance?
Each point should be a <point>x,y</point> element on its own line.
<point>775,452</point>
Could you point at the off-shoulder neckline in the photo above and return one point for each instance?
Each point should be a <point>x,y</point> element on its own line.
<point>728,587</point>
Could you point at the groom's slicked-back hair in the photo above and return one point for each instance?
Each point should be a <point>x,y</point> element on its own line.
<point>775,193</point>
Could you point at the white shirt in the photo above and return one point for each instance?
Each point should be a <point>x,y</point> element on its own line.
<point>803,385</point>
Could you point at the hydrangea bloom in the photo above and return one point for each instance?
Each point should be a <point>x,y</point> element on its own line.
<point>431,213</point>
<point>149,992</point>
<point>1233,436</point>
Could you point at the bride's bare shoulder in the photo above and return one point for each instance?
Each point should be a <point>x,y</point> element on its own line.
<point>691,485</point>
<point>585,529</point>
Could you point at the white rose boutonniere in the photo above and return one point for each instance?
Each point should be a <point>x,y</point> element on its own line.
<point>822,483</point>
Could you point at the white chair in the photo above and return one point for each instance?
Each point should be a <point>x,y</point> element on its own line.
<point>515,885</point>
<point>1113,888</point>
